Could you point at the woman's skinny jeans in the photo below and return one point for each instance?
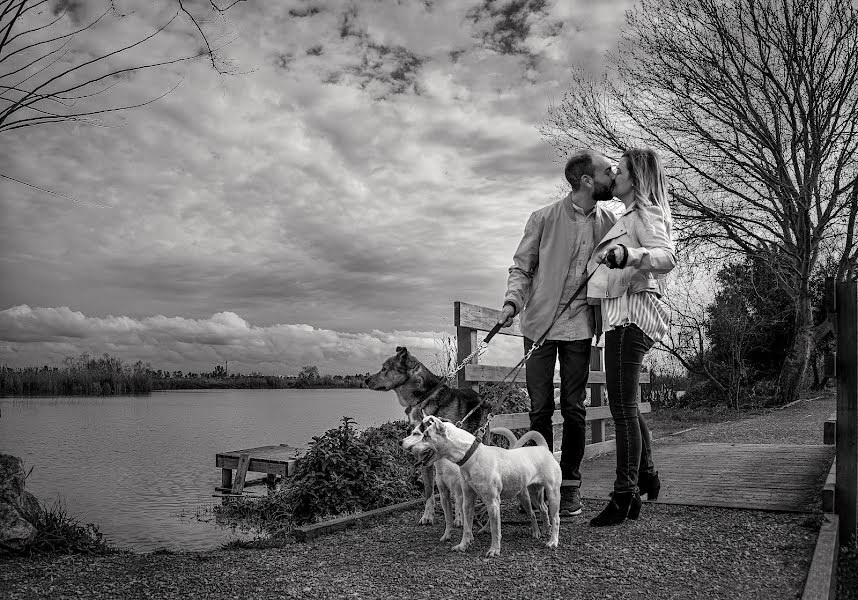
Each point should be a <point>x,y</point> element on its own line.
<point>625,348</point>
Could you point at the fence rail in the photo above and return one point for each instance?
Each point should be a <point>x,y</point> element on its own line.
<point>472,319</point>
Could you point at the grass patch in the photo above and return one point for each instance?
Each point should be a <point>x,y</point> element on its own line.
<point>61,533</point>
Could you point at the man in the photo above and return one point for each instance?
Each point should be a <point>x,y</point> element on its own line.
<point>547,269</point>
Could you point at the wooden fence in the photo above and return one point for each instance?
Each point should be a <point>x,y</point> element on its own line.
<point>472,320</point>
<point>843,302</point>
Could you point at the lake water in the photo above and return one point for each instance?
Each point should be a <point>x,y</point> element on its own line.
<point>141,467</point>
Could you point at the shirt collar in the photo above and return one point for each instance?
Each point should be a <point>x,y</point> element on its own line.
<point>575,209</point>
<point>630,208</point>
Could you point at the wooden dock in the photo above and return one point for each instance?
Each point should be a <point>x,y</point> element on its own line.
<point>776,477</point>
<point>274,461</point>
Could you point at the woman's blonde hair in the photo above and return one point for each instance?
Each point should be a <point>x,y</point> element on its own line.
<point>648,180</point>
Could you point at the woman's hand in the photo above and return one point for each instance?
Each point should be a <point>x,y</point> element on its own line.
<point>615,256</point>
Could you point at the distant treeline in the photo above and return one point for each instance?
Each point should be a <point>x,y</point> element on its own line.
<point>82,376</point>
<point>194,381</point>
<point>105,376</point>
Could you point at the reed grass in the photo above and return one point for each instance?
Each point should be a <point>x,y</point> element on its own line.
<point>81,376</point>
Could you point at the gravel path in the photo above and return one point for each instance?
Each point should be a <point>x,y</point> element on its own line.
<point>671,552</point>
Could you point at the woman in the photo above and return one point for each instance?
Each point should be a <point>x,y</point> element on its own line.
<point>637,253</point>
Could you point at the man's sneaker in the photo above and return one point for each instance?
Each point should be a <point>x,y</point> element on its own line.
<point>570,500</point>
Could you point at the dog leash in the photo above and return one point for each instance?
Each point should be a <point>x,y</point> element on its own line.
<point>610,259</point>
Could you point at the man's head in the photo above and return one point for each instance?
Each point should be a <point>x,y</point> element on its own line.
<point>590,172</point>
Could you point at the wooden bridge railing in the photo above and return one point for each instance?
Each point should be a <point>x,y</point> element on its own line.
<point>842,300</point>
<point>471,320</point>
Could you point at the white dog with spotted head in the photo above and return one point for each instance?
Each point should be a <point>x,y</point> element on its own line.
<point>492,473</point>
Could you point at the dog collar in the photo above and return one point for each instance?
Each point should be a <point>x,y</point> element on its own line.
<point>470,452</point>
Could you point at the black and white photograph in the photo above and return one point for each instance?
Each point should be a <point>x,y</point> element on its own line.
<point>370,299</point>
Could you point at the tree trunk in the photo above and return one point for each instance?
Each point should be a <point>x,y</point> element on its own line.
<point>795,366</point>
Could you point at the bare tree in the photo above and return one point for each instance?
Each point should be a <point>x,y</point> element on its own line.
<point>754,107</point>
<point>43,80</point>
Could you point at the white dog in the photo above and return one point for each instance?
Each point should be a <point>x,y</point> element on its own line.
<point>493,473</point>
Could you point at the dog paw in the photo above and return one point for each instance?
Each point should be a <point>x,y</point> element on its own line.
<point>551,544</point>
<point>536,534</point>
<point>457,522</point>
<point>493,552</point>
<point>447,536</point>
<point>461,547</point>
<point>427,520</point>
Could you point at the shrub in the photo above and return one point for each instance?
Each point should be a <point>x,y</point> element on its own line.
<point>346,471</point>
<point>61,533</point>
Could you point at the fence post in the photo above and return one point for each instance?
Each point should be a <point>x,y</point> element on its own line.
<point>846,489</point>
<point>466,342</point>
<point>597,426</point>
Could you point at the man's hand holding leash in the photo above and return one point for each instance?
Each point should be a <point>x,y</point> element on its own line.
<point>506,315</point>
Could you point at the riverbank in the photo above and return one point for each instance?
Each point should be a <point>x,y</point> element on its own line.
<point>671,552</point>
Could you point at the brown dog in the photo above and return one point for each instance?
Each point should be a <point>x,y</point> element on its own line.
<point>414,385</point>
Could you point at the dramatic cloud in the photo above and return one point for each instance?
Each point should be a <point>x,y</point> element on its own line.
<point>368,164</point>
<point>36,336</point>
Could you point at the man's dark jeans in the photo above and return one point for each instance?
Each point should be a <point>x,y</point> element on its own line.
<point>625,348</point>
<point>574,371</point>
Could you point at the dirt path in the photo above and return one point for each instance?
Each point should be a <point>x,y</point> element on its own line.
<point>671,552</point>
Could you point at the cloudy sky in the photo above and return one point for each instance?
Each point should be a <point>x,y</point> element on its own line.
<point>361,166</point>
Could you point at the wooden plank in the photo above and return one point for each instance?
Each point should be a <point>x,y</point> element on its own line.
<point>274,460</point>
<point>522,420</point>
<point>597,426</point>
<point>466,342</point>
<point>829,430</point>
<point>821,579</point>
<point>785,478</point>
<point>281,453</point>
<point>240,473</point>
<point>308,532</point>
<point>846,492</point>
<point>282,468</point>
<point>472,316</point>
<point>596,449</point>
<point>828,504</point>
<point>491,373</point>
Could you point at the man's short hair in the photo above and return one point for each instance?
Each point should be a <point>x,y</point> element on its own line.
<point>578,165</point>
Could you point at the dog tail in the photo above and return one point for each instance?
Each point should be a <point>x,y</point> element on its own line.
<point>514,442</point>
<point>531,435</point>
<point>509,435</point>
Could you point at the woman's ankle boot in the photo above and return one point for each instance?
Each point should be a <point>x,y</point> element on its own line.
<point>635,507</point>
<point>617,509</point>
<point>649,484</point>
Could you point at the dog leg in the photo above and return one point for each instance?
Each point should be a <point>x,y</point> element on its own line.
<point>537,495</point>
<point>493,507</point>
<point>428,517</point>
<point>446,505</point>
<point>524,500</point>
<point>457,502</point>
<point>468,498</point>
<point>552,494</point>
<point>537,498</point>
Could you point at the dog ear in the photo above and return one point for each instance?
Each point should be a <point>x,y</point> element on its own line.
<point>402,356</point>
<point>433,422</point>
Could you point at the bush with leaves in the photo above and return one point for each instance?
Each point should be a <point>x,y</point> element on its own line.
<point>345,471</point>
